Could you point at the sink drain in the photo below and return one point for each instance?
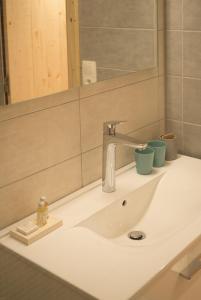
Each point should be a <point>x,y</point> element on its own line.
<point>136,235</point>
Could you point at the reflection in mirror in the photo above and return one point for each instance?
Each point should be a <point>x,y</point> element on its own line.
<point>51,46</point>
<point>117,37</point>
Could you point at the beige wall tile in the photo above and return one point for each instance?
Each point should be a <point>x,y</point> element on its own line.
<point>36,141</point>
<point>138,104</point>
<point>22,108</point>
<point>92,165</point>
<point>20,199</point>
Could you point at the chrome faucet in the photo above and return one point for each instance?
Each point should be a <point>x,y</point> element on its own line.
<point>110,140</point>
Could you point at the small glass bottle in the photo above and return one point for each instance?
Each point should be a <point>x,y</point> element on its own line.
<point>42,212</point>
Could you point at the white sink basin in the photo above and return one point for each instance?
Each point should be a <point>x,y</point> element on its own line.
<point>92,253</point>
<point>159,208</point>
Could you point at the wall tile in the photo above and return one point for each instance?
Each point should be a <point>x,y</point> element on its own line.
<point>126,49</point>
<point>192,101</point>
<point>21,198</point>
<point>173,14</point>
<point>176,128</point>
<point>161,96</point>
<point>161,52</point>
<point>192,50</point>
<point>192,141</point>
<point>135,13</point>
<point>138,104</point>
<point>174,52</point>
<point>37,141</point>
<point>174,97</point>
<point>37,104</point>
<point>161,14</point>
<point>107,85</point>
<point>183,92</point>
<point>92,165</point>
<point>192,13</point>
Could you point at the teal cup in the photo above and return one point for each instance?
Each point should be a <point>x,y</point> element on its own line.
<point>159,148</point>
<point>144,160</point>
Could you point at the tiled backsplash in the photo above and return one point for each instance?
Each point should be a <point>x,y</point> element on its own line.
<point>52,146</point>
<point>183,43</point>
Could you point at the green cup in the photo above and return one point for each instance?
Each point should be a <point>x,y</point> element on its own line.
<point>144,160</point>
<point>159,148</point>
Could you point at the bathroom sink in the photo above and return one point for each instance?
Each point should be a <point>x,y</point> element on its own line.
<point>159,209</point>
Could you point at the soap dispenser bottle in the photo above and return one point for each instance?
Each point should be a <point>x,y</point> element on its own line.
<point>42,212</point>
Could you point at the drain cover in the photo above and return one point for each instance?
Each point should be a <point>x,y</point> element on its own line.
<point>136,235</point>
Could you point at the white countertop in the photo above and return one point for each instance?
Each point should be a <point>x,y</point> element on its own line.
<point>101,268</point>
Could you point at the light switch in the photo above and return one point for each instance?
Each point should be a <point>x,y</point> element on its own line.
<point>89,72</point>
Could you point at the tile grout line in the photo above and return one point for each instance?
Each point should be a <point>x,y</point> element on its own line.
<point>40,171</point>
<point>119,87</point>
<point>186,123</point>
<point>37,111</point>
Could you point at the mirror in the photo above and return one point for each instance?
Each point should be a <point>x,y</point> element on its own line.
<point>51,46</point>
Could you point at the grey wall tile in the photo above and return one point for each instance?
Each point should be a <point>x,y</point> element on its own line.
<point>192,13</point>
<point>174,97</point>
<point>192,100</point>
<point>192,50</point>
<point>126,49</point>
<point>161,52</point>
<point>176,128</point>
<point>107,73</point>
<point>192,140</point>
<point>161,14</point>
<point>173,14</point>
<point>161,96</point>
<point>117,13</point>
<point>2,94</point>
<point>174,52</point>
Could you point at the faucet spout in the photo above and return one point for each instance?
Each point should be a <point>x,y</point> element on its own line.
<point>110,141</point>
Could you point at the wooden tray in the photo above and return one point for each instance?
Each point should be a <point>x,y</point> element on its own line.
<point>52,224</point>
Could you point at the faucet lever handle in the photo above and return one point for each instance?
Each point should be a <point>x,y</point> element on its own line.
<point>110,126</point>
